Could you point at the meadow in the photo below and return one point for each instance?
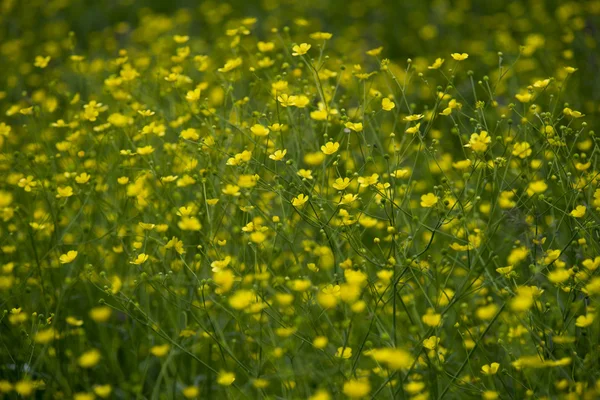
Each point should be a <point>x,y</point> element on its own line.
<point>359,199</point>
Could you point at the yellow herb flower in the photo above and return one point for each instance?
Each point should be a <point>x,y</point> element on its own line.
<point>357,388</point>
<point>459,56</point>
<point>89,359</point>
<point>64,192</point>
<point>356,127</point>
<point>68,257</point>
<point>387,104</point>
<point>301,49</point>
<point>343,352</point>
<point>429,200</point>
<point>160,350</point>
<point>330,148</point>
<point>140,259</point>
<point>278,155</point>
<point>41,62</point>
<point>259,130</point>
<point>490,369</point>
<point>299,200</point>
<point>437,63</point>
<point>479,142</point>
<point>102,391</point>
<point>583,321</point>
<point>578,212</point>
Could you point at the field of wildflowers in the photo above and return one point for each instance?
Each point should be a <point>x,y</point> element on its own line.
<point>359,199</point>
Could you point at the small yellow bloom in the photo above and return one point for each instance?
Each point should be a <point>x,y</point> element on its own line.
<point>459,56</point>
<point>437,64</point>
<point>356,127</point>
<point>413,117</point>
<point>64,192</point>
<point>583,321</point>
<point>429,200</point>
<point>140,259</point>
<point>41,62</point>
<point>343,352</point>
<point>259,130</point>
<point>278,155</point>
<point>89,359</point>
<point>68,257</point>
<point>490,369</point>
<point>578,212</point>
<point>387,104</point>
<point>299,200</point>
<point>341,183</point>
<point>301,49</point>
<point>160,350</point>
<point>357,388</point>
<point>330,148</point>
<point>225,378</point>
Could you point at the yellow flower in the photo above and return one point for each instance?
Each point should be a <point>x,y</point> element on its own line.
<point>41,62</point>
<point>341,183</point>
<point>225,378</point>
<point>490,369</point>
<point>387,104</point>
<point>241,299</point>
<point>259,130</point>
<point>578,212</point>
<point>231,64</point>
<point>431,319</point>
<point>103,391</point>
<point>524,97</point>
<point>413,129</point>
<point>356,127</point>
<point>583,321</point>
<point>357,388</point>
<point>429,200</point>
<point>437,64</point>
<point>366,181</point>
<point>321,36</point>
<point>330,148</point>
<point>320,342</point>
<point>431,343</point>
<point>374,52</point>
<point>68,257</point>
<point>191,392</point>
<point>522,150</point>
<point>143,151</point>
<point>299,200</point>
<point>536,187</point>
<point>559,275</point>
<point>278,155</point>
<point>190,134</point>
<point>286,100</point>
<point>301,49</point>
<point>89,359</point>
<point>231,190</point>
<point>64,192</point>
<point>541,84</point>
<point>459,56</point>
<point>479,142</point>
<point>82,178</point>
<point>44,336</point>
<point>487,312</point>
<point>24,387</point>
<point>100,314</point>
<point>140,259</point>
<point>413,117</point>
<point>343,352</point>
<point>265,47</point>
<point>160,350</point>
